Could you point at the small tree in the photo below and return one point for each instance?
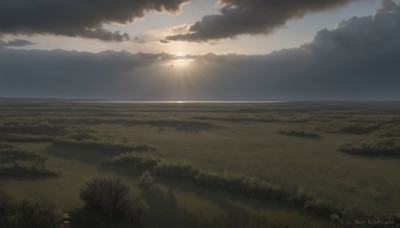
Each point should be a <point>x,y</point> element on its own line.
<point>146,180</point>
<point>112,198</point>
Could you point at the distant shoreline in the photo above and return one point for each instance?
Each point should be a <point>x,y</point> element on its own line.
<point>66,100</point>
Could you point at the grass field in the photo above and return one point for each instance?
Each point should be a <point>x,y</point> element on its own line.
<point>243,139</point>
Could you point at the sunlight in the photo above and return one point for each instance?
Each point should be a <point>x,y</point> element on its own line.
<point>181,63</point>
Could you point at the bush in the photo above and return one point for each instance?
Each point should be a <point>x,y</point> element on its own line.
<point>112,198</point>
<point>146,180</point>
<point>28,213</point>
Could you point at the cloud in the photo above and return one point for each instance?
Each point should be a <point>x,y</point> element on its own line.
<point>76,18</point>
<point>138,40</point>
<point>16,43</point>
<point>358,60</point>
<point>238,17</point>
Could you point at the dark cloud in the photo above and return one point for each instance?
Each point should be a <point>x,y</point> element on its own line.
<point>139,40</point>
<point>239,17</point>
<point>76,18</point>
<point>358,60</point>
<point>16,43</point>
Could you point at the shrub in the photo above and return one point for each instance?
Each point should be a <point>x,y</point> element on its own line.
<point>146,180</point>
<point>112,198</point>
<point>28,213</point>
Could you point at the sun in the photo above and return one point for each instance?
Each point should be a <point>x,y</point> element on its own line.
<point>181,63</point>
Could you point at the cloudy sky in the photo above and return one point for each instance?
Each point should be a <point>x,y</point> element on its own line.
<point>200,49</point>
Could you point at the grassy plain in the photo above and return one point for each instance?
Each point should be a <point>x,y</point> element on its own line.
<point>239,138</point>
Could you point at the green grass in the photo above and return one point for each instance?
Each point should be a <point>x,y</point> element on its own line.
<point>238,138</point>
<point>169,201</point>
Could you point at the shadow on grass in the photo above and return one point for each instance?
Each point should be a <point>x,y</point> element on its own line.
<point>86,156</point>
<point>162,206</point>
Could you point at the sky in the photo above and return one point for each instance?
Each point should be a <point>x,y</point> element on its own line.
<point>200,49</point>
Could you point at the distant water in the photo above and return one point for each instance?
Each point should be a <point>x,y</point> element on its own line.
<point>186,102</point>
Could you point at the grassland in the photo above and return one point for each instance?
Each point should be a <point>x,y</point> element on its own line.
<point>244,140</point>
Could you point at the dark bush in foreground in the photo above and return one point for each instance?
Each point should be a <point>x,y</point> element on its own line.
<point>112,198</point>
<point>298,133</point>
<point>385,146</point>
<point>34,213</point>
